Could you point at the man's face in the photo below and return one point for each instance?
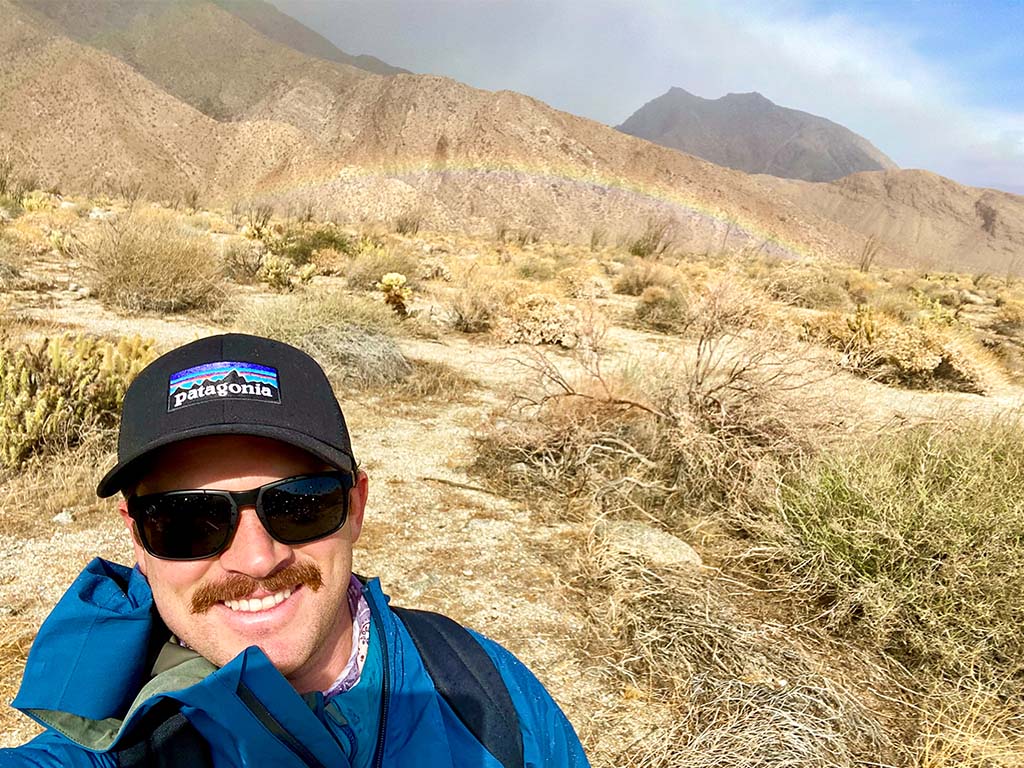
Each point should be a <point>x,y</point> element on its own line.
<point>307,635</point>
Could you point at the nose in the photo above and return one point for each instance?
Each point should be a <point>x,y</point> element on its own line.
<point>253,551</point>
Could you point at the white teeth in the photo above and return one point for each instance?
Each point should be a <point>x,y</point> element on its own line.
<point>255,604</point>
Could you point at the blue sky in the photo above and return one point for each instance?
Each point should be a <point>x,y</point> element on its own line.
<point>935,85</point>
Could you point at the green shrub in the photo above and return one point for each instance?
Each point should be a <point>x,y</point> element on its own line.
<point>147,261</point>
<point>54,392</point>
<point>298,244</point>
<point>916,544</point>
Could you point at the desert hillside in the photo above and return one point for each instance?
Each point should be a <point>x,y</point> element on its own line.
<point>924,217</point>
<point>748,132</point>
<point>192,98</point>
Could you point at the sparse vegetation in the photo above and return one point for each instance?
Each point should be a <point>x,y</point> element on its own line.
<point>147,261</point>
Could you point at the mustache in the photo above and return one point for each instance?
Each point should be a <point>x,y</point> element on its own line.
<point>238,585</point>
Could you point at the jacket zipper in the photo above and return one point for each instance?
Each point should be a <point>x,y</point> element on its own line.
<point>378,759</point>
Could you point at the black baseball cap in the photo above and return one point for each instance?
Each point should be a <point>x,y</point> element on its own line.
<point>233,384</point>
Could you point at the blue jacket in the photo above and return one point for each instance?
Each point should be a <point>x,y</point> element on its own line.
<point>89,680</point>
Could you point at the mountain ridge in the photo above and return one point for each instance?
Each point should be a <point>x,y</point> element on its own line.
<point>305,131</point>
<point>749,132</point>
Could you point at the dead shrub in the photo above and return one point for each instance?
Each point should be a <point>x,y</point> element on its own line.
<point>665,310</point>
<point>243,260</point>
<point>478,305</point>
<point>657,238</point>
<point>639,275</point>
<point>665,438</point>
<point>434,380</point>
<point>148,261</point>
<point>738,693</point>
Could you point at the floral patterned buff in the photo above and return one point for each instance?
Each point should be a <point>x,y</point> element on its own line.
<point>360,641</point>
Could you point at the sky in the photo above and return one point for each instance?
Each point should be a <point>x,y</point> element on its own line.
<point>934,84</point>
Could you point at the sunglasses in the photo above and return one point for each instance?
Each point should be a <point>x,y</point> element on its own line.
<point>193,525</point>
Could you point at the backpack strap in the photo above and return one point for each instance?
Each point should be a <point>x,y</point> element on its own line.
<point>467,679</point>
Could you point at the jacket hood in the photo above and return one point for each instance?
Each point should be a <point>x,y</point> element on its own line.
<point>108,607</point>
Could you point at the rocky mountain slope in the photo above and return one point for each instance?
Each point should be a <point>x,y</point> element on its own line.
<point>187,95</point>
<point>748,132</point>
<point>923,216</point>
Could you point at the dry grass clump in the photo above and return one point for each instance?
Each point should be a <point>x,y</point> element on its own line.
<point>813,286</point>
<point>665,310</point>
<point>55,391</point>
<point>740,693</point>
<point>915,544</point>
<point>539,319</point>
<point>477,305</point>
<point>639,275</point>
<point>147,260</point>
<point>373,261</point>
<point>350,336</point>
<point>927,354</point>
<point>433,380</point>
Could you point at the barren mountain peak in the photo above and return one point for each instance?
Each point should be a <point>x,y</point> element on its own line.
<point>749,132</point>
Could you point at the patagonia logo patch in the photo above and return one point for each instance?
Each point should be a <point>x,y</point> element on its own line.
<point>223,381</point>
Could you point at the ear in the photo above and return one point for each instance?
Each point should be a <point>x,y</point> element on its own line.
<point>140,553</point>
<point>357,505</point>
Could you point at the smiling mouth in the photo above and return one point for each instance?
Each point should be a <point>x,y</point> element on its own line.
<point>257,604</point>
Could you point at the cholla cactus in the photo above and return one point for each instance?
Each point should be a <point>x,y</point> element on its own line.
<point>39,201</point>
<point>280,273</point>
<point>396,292</point>
<point>276,272</point>
<point>51,392</point>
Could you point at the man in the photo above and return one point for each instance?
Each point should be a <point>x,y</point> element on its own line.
<point>241,637</point>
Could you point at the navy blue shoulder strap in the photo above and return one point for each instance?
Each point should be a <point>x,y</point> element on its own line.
<point>466,677</point>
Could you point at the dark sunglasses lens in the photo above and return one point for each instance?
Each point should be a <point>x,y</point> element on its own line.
<point>306,509</point>
<point>184,526</point>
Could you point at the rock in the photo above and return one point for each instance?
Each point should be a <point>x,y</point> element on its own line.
<point>98,214</point>
<point>657,547</point>
<point>64,517</point>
